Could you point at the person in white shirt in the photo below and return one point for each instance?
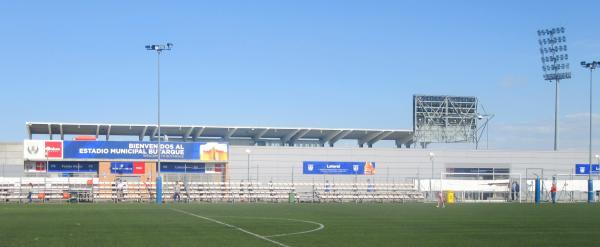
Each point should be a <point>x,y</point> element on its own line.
<point>441,202</point>
<point>176,195</point>
<point>120,188</point>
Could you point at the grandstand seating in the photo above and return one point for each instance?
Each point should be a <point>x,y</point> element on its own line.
<point>90,190</point>
<point>47,189</point>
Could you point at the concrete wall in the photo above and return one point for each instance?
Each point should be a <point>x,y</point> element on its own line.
<point>279,163</point>
<point>393,165</point>
<point>11,159</point>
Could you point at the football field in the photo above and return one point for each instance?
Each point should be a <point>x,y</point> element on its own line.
<point>298,225</point>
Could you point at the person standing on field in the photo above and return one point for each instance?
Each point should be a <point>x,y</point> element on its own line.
<point>517,189</point>
<point>441,202</point>
<point>513,191</point>
<point>120,190</point>
<point>149,189</point>
<point>30,193</point>
<point>553,192</point>
<point>176,195</point>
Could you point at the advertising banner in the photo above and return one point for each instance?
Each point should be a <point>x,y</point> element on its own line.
<point>121,167</point>
<point>42,150</point>
<point>214,151</point>
<point>72,166</point>
<point>584,169</point>
<point>131,150</point>
<point>338,168</point>
<point>127,167</point>
<point>182,167</point>
<point>139,167</point>
<point>135,150</point>
<point>40,166</point>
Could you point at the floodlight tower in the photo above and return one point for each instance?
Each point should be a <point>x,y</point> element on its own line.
<point>248,151</point>
<point>158,49</point>
<point>432,158</point>
<point>592,66</point>
<point>597,162</point>
<point>553,49</point>
<point>483,128</point>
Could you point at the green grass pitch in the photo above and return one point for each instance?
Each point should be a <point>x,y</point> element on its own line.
<point>270,225</point>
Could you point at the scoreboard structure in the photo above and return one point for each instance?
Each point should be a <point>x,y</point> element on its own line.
<point>444,119</point>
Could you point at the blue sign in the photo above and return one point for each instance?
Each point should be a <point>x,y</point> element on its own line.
<point>584,169</point>
<point>182,167</point>
<point>338,168</point>
<point>131,150</point>
<point>121,167</point>
<point>72,166</point>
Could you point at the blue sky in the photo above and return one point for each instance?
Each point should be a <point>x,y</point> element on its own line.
<point>345,64</point>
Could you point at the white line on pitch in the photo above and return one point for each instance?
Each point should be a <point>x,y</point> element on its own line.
<point>321,226</point>
<point>232,226</point>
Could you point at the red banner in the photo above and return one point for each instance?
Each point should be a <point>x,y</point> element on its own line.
<point>139,167</point>
<point>40,166</point>
<point>54,149</point>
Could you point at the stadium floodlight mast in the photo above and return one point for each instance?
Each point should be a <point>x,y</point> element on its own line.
<point>483,128</point>
<point>553,50</point>
<point>592,66</point>
<point>248,173</point>
<point>47,162</point>
<point>431,157</point>
<point>158,48</point>
<point>597,162</point>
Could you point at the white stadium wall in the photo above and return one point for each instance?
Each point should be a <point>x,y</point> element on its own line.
<point>11,159</point>
<point>392,164</point>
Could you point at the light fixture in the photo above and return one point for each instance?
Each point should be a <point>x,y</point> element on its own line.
<point>591,66</point>
<point>555,65</point>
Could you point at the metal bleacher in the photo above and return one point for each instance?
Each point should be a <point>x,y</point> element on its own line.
<point>368,193</point>
<point>91,190</point>
<point>47,189</point>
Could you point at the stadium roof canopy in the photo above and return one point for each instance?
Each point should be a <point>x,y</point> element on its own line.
<point>235,135</point>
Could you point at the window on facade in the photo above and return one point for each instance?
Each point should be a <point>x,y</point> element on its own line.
<point>483,173</point>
